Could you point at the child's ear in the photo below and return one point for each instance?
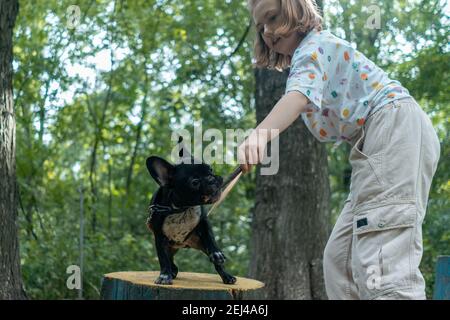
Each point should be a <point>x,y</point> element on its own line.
<point>161,170</point>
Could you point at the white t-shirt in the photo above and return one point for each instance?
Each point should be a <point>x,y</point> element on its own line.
<point>342,84</point>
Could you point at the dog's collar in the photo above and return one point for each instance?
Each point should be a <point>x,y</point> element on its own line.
<point>165,210</point>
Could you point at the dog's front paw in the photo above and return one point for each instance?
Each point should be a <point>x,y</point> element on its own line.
<point>228,279</point>
<point>164,279</point>
<point>217,257</point>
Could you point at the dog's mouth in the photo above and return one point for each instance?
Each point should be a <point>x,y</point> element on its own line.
<point>211,198</point>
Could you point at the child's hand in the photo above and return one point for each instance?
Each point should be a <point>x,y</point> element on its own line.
<point>287,109</point>
<point>251,151</point>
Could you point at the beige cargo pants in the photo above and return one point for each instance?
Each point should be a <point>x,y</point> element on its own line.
<point>375,248</point>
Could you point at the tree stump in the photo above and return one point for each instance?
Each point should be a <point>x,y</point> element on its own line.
<point>134,285</point>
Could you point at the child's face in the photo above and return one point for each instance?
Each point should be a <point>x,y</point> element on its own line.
<point>267,17</point>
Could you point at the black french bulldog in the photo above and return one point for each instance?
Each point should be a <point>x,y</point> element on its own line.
<point>178,218</point>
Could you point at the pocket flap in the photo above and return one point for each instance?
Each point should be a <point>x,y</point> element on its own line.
<point>385,217</point>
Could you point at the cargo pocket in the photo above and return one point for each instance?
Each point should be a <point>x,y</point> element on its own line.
<point>382,248</point>
<point>366,179</point>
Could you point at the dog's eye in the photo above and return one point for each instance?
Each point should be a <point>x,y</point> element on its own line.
<point>195,183</point>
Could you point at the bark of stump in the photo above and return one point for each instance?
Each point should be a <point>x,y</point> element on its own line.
<point>140,285</point>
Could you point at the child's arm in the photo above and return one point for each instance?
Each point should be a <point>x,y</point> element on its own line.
<point>283,114</point>
<point>286,111</point>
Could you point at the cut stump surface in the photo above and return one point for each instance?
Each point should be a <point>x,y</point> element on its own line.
<point>140,285</point>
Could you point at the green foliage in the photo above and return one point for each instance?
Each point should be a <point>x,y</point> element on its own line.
<point>85,125</point>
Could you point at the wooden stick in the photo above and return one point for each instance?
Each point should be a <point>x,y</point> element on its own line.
<point>231,177</point>
<point>228,184</point>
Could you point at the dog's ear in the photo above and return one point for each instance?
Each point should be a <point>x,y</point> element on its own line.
<point>161,170</point>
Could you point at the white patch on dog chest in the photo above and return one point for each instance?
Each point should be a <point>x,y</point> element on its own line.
<point>177,226</point>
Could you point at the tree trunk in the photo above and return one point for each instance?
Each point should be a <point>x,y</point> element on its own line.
<point>10,277</point>
<point>290,222</point>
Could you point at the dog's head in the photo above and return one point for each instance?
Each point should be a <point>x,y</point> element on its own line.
<point>191,184</point>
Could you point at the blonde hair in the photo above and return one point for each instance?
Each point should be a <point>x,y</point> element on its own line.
<point>301,16</point>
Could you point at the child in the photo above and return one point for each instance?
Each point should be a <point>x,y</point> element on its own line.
<point>375,247</point>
